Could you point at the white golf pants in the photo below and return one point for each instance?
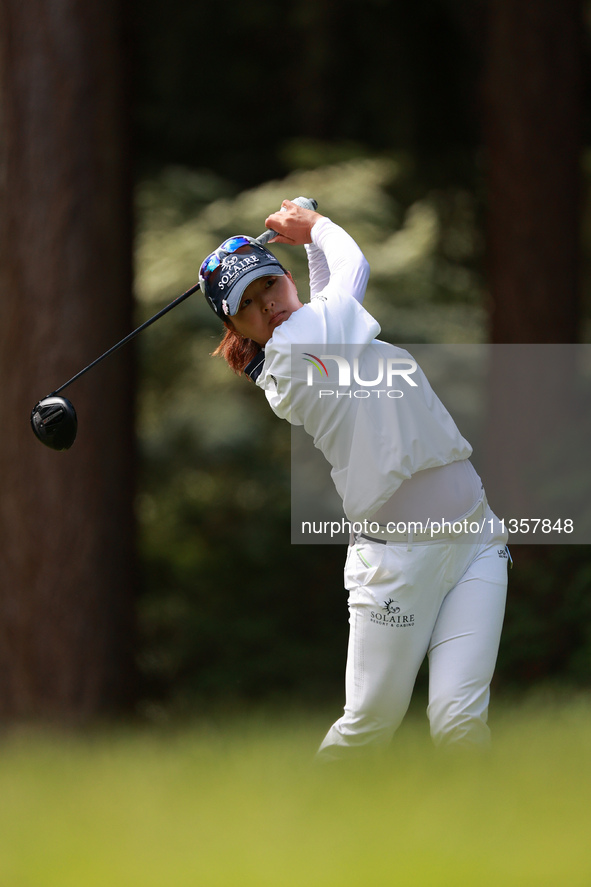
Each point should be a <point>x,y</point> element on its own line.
<point>444,598</point>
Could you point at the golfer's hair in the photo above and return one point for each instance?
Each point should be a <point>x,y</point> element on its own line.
<point>236,350</point>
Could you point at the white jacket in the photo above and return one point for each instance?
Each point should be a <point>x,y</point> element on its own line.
<point>375,434</point>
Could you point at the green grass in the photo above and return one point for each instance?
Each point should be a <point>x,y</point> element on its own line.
<point>240,805</point>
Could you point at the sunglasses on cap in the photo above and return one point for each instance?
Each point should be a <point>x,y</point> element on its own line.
<point>213,262</point>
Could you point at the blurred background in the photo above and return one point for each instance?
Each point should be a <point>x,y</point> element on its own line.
<point>149,571</point>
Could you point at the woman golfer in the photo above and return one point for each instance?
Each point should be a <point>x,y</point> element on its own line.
<point>429,576</point>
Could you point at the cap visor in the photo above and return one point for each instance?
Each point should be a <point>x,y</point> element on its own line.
<point>235,295</point>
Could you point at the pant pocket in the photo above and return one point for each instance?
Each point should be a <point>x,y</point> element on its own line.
<point>364,559</point>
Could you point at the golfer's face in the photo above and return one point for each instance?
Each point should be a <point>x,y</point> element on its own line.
<point>266,304</point>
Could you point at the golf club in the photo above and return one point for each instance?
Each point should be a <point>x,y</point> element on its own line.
<point>53,419</point>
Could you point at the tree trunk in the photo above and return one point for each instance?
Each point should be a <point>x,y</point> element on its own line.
<point>67,555</point>
<point>533,108</point>
<point>532,128</point>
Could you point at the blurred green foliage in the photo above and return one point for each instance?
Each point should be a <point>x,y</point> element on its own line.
<point>230,610</point>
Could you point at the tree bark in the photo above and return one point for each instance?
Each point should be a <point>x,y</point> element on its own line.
<point>533,108</point>
<point>532,134</point>
<point>66,522</point>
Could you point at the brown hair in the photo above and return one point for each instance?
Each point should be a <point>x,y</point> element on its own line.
<point>236,350</point>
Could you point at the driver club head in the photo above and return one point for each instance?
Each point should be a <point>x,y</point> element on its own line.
<point>54,422</point>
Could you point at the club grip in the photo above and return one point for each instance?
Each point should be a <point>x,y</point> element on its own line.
<point>304,202</point>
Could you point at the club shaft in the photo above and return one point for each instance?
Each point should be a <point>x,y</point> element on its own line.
<point>128,338</point>
<point>306,202</point>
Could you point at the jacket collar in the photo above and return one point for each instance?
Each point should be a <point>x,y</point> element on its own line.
<point>254,369</point>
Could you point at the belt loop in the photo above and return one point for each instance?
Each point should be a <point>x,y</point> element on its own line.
<point>409,536</point>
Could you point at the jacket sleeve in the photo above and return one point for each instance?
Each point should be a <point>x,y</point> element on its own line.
<point>336,263</point>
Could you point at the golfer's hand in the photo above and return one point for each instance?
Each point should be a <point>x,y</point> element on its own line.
<point>293,224</point>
